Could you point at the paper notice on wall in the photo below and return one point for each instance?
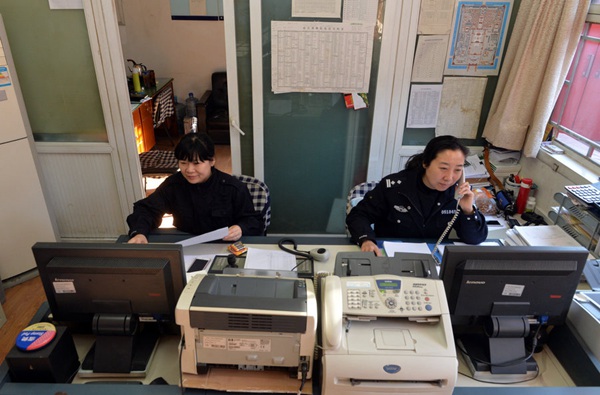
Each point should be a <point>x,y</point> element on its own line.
<point>436,16</point>
<point>460,107</point>
<point>364,11</point>
<point>316,8</point>
<point>430,57</point>
<point>423,106</point>
<point>320,57</point>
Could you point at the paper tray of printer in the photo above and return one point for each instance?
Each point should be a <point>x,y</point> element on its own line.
<point>233,380</point>
<point>367,264</point>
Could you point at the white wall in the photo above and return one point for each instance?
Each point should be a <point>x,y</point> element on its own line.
<point>188,51</point>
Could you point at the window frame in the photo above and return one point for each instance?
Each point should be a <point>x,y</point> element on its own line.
<point>592,147</point>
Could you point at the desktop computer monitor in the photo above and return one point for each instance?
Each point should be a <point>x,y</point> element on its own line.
<point>500,298</point>
<point>125,294</point>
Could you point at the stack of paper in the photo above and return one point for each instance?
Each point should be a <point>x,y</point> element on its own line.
<point>475,172</point>
<point>549,235</point>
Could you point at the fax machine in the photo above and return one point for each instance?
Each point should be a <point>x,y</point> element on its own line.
<point>248,323</point>
<point>386,334</point>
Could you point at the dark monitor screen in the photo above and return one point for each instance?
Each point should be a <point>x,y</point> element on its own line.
<point>104,285</point>
<point>506,292</point>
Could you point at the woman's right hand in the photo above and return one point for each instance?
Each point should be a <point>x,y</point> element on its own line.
<point>369,246</point>
<point>138,239</point>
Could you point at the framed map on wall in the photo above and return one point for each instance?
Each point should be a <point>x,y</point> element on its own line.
<point>478,37</point>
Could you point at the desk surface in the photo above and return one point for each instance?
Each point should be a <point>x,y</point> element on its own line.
<point>553,379</point>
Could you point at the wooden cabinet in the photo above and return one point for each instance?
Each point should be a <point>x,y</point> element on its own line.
<point>143,126</point>
<point>143,115</point>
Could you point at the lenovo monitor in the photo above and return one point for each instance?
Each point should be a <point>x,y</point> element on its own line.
<point>502,299</point>
<point>125,294</point>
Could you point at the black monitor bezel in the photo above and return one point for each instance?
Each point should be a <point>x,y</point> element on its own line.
<point>456,256</point>
<point>44,252</point>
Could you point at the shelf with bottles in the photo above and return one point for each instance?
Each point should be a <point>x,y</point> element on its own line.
<point>577,221</point>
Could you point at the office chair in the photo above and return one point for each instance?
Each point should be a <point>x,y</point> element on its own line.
<point>213,110</point>
<point>260,197</point>
<point>357,193</point>
<point>157,162</point>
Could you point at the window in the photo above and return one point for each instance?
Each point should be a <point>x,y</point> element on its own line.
<point>576,120</point>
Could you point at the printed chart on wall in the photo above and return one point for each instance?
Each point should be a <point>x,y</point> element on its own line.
<point>478,36</point>
<point>321,57</point>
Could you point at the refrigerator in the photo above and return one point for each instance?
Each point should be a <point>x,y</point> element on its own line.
<point>24,214</point>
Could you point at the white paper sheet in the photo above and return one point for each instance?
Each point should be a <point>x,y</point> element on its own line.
<point>257,258</point>
<point>321,57</point>
<point>360,11</point>
<point>392,247</point>
<point>423,106</point>
<point>430,56</point>
<point>435,16</point>
<point>460,107</point>
<point>316,8</point>
<point>210,236</point>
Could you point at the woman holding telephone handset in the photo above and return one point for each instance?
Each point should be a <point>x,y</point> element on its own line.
<point>420,201</point>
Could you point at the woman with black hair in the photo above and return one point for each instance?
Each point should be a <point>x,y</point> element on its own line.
<point>418,202</point>
<point>200,197</point>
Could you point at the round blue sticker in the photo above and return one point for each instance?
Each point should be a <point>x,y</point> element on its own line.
<point>36,336</point>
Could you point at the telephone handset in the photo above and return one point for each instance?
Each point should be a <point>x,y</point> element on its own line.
<point>332,309</point>
<point>457,195</point>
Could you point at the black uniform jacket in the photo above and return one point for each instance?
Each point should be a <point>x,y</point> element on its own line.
<point>221,201</point>
<point>393,207</point>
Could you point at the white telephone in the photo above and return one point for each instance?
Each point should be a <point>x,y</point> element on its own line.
<point>365,298</point>
<point>457,196</point>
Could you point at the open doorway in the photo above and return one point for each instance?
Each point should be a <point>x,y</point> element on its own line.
<point>188,51</point>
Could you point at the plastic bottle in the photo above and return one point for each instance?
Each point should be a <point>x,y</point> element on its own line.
<point>135,75</point>
<point>530,206</point>
<point>526,184</point>
<point>190,106</point>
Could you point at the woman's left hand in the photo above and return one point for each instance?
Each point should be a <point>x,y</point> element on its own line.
<point>234,234</point>
<point>468,197</point>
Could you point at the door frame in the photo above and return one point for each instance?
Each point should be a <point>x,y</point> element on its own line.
<point>105,42</point>
<point>397,52</point>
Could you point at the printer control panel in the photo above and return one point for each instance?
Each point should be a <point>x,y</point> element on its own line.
<point>386,295</point>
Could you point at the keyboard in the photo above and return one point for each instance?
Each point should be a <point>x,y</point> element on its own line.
<point>588,194</point>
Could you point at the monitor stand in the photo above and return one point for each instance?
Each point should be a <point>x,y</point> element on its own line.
<point>121,355</point>
<point>497,350</point>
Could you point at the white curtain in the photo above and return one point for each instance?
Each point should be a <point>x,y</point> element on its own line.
<point>542,45</point>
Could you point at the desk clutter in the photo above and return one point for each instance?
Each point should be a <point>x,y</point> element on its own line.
<point>377,324</point>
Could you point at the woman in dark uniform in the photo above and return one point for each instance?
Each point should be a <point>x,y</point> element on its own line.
<point>418,202</point>
<point>200,197</point>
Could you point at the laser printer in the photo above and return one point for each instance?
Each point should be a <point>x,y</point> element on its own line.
<point>386,334</point>
<point>248,323</point>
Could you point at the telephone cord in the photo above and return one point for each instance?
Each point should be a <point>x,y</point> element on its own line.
<point>444,233</point>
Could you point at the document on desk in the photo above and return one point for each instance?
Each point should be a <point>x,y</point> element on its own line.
<point>393,247</point>
<point>543,235</point>
<point>206,237</point>
<point>257,258</point>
